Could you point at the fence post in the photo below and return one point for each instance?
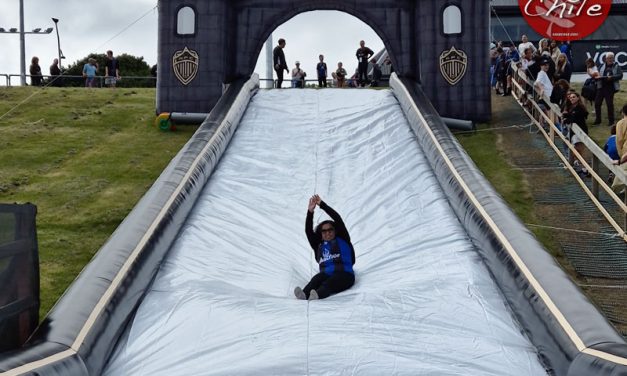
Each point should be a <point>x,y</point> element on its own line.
<point>551,128</point>
<point>595,183</point>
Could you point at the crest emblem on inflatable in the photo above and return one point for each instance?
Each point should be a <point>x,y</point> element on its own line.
<point>453,64</point>
<point>185,65</point>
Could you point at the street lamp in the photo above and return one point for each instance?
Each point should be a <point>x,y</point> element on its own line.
<point>14,30</point>
<point>56,26</point>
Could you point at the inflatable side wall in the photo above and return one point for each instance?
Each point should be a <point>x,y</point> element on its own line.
<point>571,336</point>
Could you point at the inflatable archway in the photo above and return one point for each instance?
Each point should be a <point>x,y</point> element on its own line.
<point>440,44</point>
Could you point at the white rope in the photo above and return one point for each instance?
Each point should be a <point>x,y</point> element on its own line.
<point>574,230</point>
<point>605,286</point>
<point>515,126</point>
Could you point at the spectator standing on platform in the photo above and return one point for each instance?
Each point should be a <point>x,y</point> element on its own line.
<point>563,69</point>
<point>298,76</point>
<point>376,73</point>
<point>280,64</point>
<point>566,48</point>
<point>543,46</point>
<point>589,89</point>
<point>363,56</point>
<point>500,72</point>
<point>543,86</point>
<point>89,72</point>
<point>340,75</point>
<point>608,83</point>
<point>55,72</point>
<point>576,113</point>
<point>554,50</point>
<point>112,70</point>
<point>524,45</point>
<point>321,69</point>
<point>36,78</point>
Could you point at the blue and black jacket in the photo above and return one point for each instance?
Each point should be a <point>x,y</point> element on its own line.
<point>335,255</point>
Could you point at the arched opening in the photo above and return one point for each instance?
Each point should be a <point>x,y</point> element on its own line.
<point>333,34</point>
<point>186,21</point>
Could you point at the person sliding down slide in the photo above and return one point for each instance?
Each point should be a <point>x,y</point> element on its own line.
<point>334,253</point>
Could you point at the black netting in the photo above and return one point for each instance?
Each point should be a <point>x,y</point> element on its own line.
<point>19,275</point>
<point>584,236</point>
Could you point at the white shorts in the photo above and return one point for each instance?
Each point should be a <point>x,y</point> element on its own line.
<point>110,80</point>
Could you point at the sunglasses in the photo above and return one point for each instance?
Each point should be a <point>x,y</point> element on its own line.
<point>327,230</point>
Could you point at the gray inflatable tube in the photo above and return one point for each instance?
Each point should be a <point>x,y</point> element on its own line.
<point>79,334</point>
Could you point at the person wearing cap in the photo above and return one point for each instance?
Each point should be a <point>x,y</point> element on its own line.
<point>333,252</point>
<point>298,76</point>
<point>543,84</point>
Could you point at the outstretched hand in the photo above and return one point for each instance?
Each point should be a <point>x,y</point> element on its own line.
<point>313,201</point>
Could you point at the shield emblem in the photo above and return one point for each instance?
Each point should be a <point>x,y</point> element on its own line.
<point>453,65</point>
<point>185,65</point>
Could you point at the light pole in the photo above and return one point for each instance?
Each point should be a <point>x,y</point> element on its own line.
<point>23,41</point>
<point>56,26</point>
<point>22,46</point>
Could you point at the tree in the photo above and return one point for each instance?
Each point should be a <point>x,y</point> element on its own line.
<point>130,66</point>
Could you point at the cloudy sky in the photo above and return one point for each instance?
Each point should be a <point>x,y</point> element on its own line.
<point>99,25</point>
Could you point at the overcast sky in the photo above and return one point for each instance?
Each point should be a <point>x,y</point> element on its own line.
<point>92,26</point>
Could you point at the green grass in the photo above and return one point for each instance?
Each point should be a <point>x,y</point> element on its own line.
<point>84,157</point>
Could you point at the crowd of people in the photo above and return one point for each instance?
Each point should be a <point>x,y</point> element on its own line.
<point>111,73</point>
<point>339,76</point>
<point>549,66</point>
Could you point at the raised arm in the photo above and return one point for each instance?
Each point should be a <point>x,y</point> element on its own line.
<point>312,237</point>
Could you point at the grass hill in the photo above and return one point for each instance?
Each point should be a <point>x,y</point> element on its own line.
<point>84,157</point>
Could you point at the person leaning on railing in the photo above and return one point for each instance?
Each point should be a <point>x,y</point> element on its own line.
<point>576,113</point>
<point>621,147</point>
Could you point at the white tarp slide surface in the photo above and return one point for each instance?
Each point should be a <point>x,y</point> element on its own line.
<point>423,302</point>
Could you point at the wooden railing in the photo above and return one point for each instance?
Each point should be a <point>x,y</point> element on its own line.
<point>599,157</point>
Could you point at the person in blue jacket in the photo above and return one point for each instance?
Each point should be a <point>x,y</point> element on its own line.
<point>333,251</point>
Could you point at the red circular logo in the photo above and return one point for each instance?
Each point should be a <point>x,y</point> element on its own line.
<point>565,19</point>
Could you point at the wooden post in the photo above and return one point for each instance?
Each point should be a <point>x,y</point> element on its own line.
<point>595,183</point>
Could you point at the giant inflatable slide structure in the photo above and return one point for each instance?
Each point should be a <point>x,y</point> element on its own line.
<point>198,278</point>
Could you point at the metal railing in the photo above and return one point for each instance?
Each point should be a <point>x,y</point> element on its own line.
<point>520,85</point>
<point>61,80</point>
<point>287,82</point>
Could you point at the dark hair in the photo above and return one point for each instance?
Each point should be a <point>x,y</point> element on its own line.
<point>319,227</point>
<point>563,84</point>
<point>613,129</point>
<point>281,41</point>
<point>590,62</point>
<point>625,110</point>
